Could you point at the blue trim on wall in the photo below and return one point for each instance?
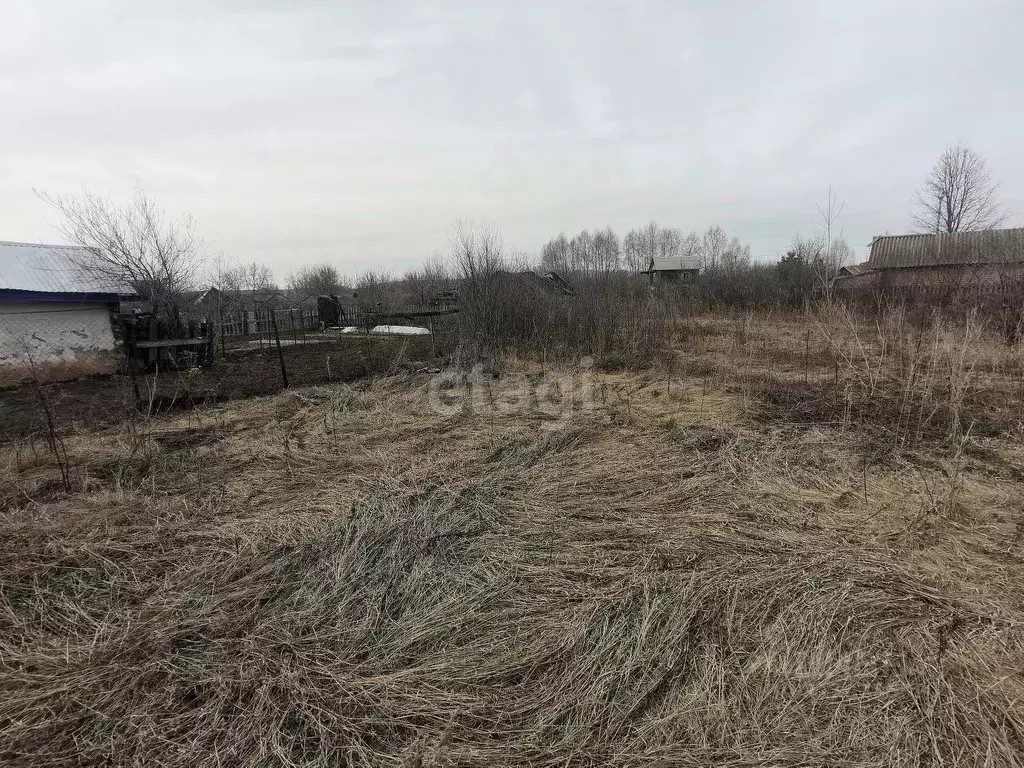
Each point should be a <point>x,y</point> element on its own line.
<point>80,298</point>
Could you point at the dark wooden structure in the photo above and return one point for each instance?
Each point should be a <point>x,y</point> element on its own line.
<point>151,341</point>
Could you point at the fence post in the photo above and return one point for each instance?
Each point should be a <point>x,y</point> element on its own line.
<point>280,354</point>
<point>130,344</point>
<point>223,348</point>
<point>369,351</point>
<point>211,344</point>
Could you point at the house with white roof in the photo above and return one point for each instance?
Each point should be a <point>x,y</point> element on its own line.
<point>673,269</point>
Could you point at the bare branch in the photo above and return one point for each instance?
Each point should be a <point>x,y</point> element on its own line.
<point>132,244</point>
<point>959,195</point>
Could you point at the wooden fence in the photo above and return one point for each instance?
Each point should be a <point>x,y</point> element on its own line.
<point>261,323</point>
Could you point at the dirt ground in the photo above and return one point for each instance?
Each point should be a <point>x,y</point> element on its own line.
<point>94,401</point>
<point>728,560</point>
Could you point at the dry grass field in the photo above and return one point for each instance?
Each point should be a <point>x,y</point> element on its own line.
<point>797,541</point>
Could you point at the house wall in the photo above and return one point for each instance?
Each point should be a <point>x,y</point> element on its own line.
<point>55,341</point>
<point>966,277</point>
<point>993,281</point>
<point>674,276</point>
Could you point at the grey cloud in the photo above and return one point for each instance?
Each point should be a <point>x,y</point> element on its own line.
<point>359,132</point>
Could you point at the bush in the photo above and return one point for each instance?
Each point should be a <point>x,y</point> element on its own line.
<point>507,309</point>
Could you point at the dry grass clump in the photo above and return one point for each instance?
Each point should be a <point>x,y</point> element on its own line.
<point>900,379</point>
<point>669,587</point>
<point>438,625</point>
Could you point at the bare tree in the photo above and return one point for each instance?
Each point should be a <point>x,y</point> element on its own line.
<point>235,277</point>
<point>586,252</point>
<point>735,257</point>
<point>606,250</point>
<point>133,244</point>
<point>690,247</point>
<point>633,252</point>
<point>419,287</point>
<point>480,265</point>
<point>581,252</point>
<point>258,277</point>
<point>648,238</point>
<point>315,280</point>
<point>554,255</point>
<point>650,241</point>
<point>833,249</point>
<point>477,250</point>
<point>375,290</point>
<point>959,194</point>
<point>712,248</point>
<point>669,242</point>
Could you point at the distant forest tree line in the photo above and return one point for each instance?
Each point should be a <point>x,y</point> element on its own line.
<point>137,244</point>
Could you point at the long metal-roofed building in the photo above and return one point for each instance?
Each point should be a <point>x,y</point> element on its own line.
<point>987,247</point>
<point>959,259</point>
<point>56,320</point>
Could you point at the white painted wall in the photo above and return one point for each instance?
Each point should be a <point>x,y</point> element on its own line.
<point>64,339</point>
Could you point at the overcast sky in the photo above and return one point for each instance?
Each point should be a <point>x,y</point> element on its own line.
<point>358,132</point>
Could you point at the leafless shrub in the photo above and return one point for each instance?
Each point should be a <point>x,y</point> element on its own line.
<point>900,380</point>
<point>315,280</point>
<point>505,308</point>
<point>375,291</point>
<point>134,245</point>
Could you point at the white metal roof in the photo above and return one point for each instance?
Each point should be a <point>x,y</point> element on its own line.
<point>49,269</point>
<point>993,246</point>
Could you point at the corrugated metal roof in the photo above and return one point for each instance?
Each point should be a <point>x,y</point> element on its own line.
<point>673,264</point>
<point>994,246</point>
<point>49,269</point>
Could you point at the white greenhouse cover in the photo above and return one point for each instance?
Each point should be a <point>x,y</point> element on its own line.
<point>403,330</point>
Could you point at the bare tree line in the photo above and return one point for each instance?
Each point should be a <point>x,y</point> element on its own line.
<point>137,245</point>
<point>601,250</point>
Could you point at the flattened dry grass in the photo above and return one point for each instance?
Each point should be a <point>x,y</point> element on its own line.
<point>338,576</point>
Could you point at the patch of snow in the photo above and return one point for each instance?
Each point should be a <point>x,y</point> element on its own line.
<point>402,330</point>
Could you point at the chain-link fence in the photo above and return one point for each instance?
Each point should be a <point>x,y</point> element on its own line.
<point>277,353</point>
<point>93,365</point>
<point>53,341</point>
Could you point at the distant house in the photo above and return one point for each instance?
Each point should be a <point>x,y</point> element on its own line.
<point>854,270</point>
<point>977,259</point>
<point>56,322</point>
<point>547,282</point>
<point>673,269</point>
<point>214,303</point>
<point>206,298</point>
<point>552,282</point>
<point>302,303</point>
